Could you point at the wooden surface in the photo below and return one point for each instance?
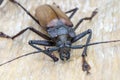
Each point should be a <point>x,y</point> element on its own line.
<point>104,59</point>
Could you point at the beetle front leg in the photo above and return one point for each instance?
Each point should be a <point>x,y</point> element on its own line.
<point>85,65</point>
<point>33,43</point>
<point>81,35</point>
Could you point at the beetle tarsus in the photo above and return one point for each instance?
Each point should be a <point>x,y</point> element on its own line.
<point>94,13</point>
<point>55,59</point>
<point>85,66</point>
<point>4,35</point>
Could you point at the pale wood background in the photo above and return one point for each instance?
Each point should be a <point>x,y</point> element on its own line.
<point>104,59</point>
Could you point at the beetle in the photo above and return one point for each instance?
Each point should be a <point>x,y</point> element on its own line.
<point>60,33</point>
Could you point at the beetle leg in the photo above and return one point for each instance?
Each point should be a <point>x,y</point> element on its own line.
<point>22,31</point>
<point>26,11</point>
<point>81,35</point>
<point>33,43</point>
<point>86,18</point>
<point>42,42</point>
<point>73,12</point>
<point>85,65</point>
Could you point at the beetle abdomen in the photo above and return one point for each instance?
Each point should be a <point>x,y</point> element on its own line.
<point>46,13</point>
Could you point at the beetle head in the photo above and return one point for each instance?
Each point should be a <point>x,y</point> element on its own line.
<point>64,53</point>
<point>64,45</point>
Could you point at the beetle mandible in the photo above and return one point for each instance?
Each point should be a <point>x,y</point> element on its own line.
<point>61,33</point>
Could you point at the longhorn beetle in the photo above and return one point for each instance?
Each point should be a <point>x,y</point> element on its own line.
<point>61,33</point>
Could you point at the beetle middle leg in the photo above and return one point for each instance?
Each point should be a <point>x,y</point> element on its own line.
<point>22,31</point>
<point>33,43</point>
<point>85,65</point>
<point>85,18</point>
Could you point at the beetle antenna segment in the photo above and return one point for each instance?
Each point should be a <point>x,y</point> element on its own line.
<point>95,43</point>
<point>26,11</point>
<point>19,57</point>
<point>103,42</point>
<point>35,52</point>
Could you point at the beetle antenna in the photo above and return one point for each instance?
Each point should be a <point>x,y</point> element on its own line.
<point>73,47</point>
<point>95,43</point>
<point>19,57</point>
<point>103,42</point>
<point>35,52</point>
<point>26,11</point>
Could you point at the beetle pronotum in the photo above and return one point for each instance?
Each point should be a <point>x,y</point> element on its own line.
<point>61,33</point>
